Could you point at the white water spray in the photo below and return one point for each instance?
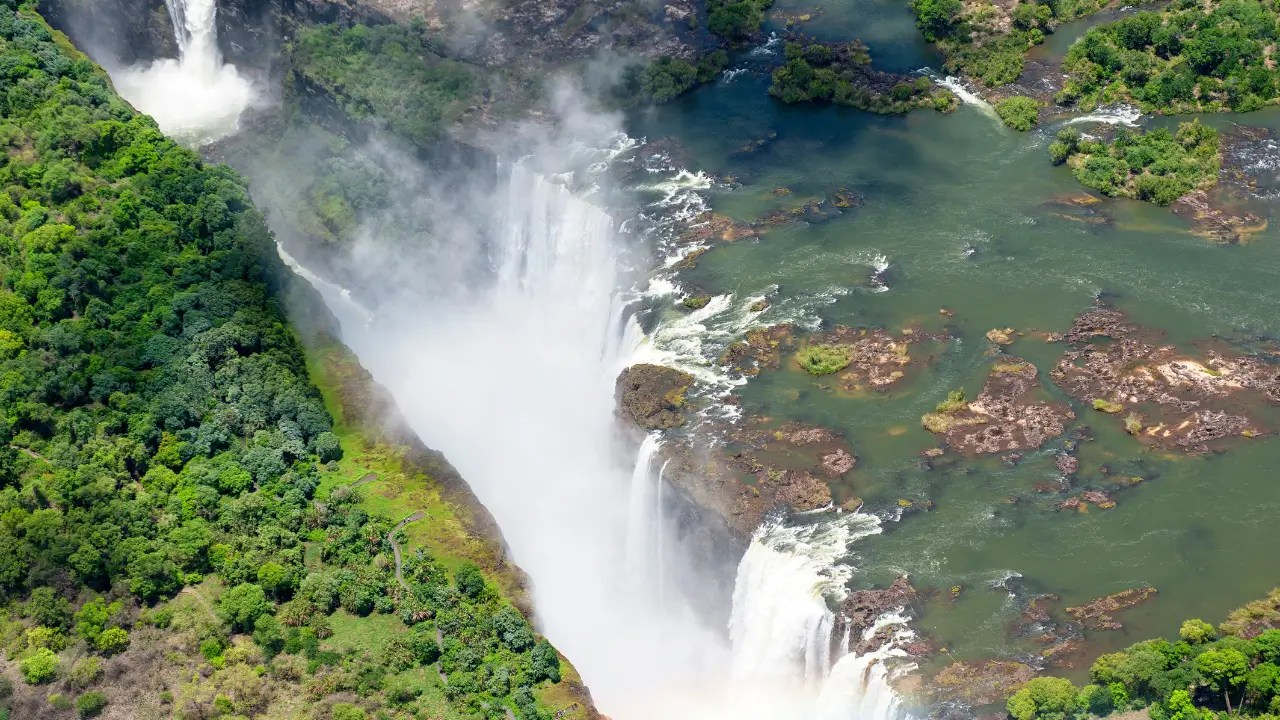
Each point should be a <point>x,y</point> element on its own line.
<point>1127,115</point>
<point>962,91</point>
<point>196,98</point>
<point>514,385</point>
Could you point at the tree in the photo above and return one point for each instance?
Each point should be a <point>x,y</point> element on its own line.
<point>544,663</point>
<point>1224,669</point>
<point>469,580</point>
<point>936,18</point>
<point>269,635</point>
<point>1180,706</point>
<point>1044,697</point>
<point>1196,631</point>
<point>40,668</point>
<point>273,577</point>
<point>48,608</point>
<point>242,605</point>
<point>328,447</point>
<point>513,629</point>
<point>1018,112</point>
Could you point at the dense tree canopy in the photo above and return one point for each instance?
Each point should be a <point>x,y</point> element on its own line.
<point>158,426</point>
<point>1188,57</point>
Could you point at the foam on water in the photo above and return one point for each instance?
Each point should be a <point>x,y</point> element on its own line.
<point>196,98</point>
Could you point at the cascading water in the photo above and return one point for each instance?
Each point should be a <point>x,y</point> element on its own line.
<point>196,98</point>
<point>513,382</point>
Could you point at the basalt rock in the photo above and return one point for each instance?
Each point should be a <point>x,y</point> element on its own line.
<point>976,684</point>
<point>1096,614</point>
<point>652,396</point>
<point>860,610</point>
<point>1163,396</point>
<point>762,348</point>
<point>1005,416</point>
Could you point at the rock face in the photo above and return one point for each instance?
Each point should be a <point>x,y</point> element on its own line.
<point>975,684</point>
<point>1005,416</point>
<point>129,31</point>
<point>652,396</point>
<point>1164,396</point>
<point>862,607</point>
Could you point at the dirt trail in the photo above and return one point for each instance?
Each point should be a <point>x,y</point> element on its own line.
<point>395,546</point>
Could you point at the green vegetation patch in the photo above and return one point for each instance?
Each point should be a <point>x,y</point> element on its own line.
<point>1018,112</point>
<point>842,73</point>
<point>988,41</point>
<point>388,73</point>
<point>1157,166</point>
<point>1204,673</point>
<point>667,78</point>
<point>824,359</point>
<point>1192,56</point>
<point>736,20</point>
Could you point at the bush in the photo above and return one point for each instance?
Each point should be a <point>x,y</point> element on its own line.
<point>112,641</point>
<point>1196,631</point>
<point>824,359</point>
<point>347,711</point>
<point>91,704</point>
<point>40,668</point>
<point>1018,112</point>
<point>955,402</point>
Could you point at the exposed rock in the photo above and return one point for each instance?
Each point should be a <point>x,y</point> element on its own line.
<point>796,489</point>
<point>652,396</point>
<point>977,684</point>
<point>862,607</point>
<point>1001,337</point>
<point>838,462</point>
<point>1096,614</point>
<point>761,349</point>
<point>1163,396</point>
<point>1005,416</point>
<point>1068,464</point>
<point>709,226</point>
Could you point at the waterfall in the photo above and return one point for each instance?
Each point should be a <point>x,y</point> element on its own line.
<point>782,625</point>
<point>512,378</point>
<point>196,98</point>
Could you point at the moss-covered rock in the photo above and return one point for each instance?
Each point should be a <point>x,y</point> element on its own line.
<point>652,396</point>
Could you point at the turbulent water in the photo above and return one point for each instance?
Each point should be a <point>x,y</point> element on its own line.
<point>515,386</point>
<point>196,98</point>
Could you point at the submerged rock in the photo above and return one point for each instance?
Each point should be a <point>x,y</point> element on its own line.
<point>1213,218</point>
<point>652,396</point>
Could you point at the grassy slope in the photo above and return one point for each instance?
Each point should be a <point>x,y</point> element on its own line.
<point>414,479</point>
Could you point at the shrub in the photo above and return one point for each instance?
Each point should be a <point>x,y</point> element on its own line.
<point>60,702</point>
<point>40,668</point>
<point>85,672</point>
<point>1107,406</point>
<point>955,402</point>
<point>91,704</point>
<point>1018,112</point>
<point>824,359</point>
<point>347,711</point>
<point>112,641</point>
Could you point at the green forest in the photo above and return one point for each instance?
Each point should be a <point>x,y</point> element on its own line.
<point>168,467</point>
<point>1188,57</point>
<point>1229,671</point>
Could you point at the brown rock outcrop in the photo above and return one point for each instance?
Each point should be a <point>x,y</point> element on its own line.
<point>652,396</point>
<point>1005,416</point>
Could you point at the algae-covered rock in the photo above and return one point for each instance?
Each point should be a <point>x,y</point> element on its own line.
<point>652,396</point>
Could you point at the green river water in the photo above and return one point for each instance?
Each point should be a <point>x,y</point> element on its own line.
<point>956,204</point>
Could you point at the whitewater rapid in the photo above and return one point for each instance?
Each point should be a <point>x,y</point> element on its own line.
<point>196,98</point>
